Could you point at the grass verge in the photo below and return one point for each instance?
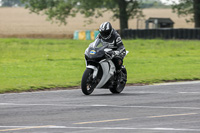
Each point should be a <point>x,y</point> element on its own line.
<point>37,64</point>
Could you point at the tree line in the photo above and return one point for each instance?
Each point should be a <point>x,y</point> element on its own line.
<point>123,10</point>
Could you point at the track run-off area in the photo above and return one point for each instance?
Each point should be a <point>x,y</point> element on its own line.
<point>159,108</point>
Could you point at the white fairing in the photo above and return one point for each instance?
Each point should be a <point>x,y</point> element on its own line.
<point>95,70</point>
<point>108,68</point>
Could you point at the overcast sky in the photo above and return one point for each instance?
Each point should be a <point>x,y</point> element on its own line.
<point>169,1</point>
<point>164,1</point>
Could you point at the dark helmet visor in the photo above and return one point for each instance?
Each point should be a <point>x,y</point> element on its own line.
<point>105,34</point>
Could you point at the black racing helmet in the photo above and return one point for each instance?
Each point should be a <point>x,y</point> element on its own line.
<point>105,30</point>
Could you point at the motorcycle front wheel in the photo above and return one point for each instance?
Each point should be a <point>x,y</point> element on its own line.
<point>87,84</point>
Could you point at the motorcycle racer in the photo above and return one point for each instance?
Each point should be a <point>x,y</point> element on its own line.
<point>110,35</point>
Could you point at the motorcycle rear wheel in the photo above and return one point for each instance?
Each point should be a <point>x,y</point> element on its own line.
<point>119,87</point>
<point>86,83</point>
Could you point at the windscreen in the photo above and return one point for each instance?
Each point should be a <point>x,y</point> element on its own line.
<point>98,43</point>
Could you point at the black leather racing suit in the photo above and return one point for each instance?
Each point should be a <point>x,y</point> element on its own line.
<point>116,44</point>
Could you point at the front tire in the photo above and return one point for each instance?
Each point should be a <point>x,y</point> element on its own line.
<point>87,84</point>
<point>119,87</point>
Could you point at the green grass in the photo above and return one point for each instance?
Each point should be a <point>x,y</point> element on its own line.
<point>31,64</point>
<point>153,61</point>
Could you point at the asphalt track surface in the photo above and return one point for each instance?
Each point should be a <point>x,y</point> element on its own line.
<point>164,108</point>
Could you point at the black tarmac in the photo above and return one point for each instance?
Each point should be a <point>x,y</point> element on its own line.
<point>161,108</point>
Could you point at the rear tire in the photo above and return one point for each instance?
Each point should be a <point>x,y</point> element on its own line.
<point>119,87</point>
<point>87,84</point>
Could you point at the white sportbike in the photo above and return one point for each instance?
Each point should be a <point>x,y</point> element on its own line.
<point>100,70</point>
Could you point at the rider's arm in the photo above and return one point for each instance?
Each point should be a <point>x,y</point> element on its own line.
<point>119,44</point>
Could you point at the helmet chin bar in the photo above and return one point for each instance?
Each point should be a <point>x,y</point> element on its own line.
<point>108,35</point>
